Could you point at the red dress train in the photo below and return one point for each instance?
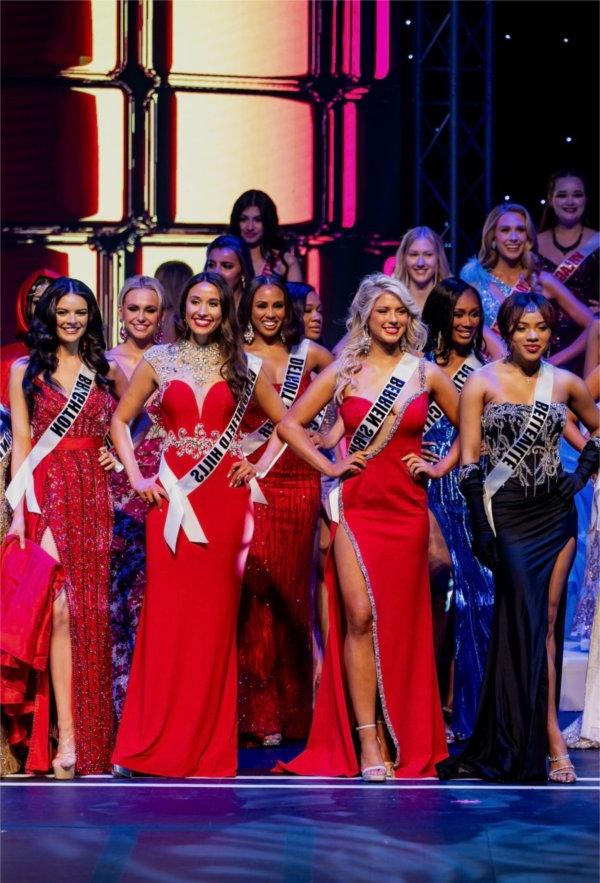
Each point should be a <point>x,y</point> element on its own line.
<point>180,714</point>
<point>276,612</point>
<point>384,513</point>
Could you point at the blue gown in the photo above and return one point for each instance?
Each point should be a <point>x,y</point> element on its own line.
<point>473,585</point>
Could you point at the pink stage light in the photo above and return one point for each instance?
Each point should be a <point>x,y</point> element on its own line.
<point>382,39</point>
<point>313,268</point>
<point>349,165</point>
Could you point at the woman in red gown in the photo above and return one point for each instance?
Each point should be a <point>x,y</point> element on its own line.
<point>276,615</point>
<point>71,482</point>
<point>379,668</point>
<point>180,714</point>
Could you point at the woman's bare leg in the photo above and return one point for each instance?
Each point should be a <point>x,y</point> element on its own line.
<point>60,652</point>
<point>560,572</point>
<point>359,654</point>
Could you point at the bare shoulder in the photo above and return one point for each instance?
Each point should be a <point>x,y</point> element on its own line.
<point>18,367</point>
<point>318,355</point>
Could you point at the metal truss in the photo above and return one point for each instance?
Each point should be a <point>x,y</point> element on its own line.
<point>453,120</point>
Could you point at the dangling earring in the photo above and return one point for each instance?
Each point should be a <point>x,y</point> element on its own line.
<point>282,336</point>
<point>123,333</point>
<point>494,245</point>
<point>403,342</point>
<point>366,341</point>
<point>440,342</point>
<point>158,334</point>
<point>249,333</point>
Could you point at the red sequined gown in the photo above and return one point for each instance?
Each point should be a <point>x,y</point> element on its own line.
<point>180,712</point>
<point>384,513</point>
<point>73,492</point>
<point>276,613</point>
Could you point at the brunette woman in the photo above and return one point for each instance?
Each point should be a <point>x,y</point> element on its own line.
<point>140,311</point>
<point>379,668</point>
<point>275,617</point>
<point>60,408</point>
<point>507,262</point>
<point>172,275</point>
<point>524,528</point>
<point>229,256</point>
<point>254,219</point>
<point>454,319</point>
<point>566,241</point>
<point>307,302</point>
<point>179,717</point>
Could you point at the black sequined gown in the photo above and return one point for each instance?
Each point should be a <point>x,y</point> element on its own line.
<point>533,523</point>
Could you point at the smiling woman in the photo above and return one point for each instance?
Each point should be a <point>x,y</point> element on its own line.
<point>507,262</point>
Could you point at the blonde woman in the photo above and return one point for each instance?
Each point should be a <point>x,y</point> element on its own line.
<point>141,311</point>
<point>420,263</point>
<point>507,262</point>
<point>379,674</point>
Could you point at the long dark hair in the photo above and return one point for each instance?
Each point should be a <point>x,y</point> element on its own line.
<point>43,341</point>
<point>233,369</point>
<point>511,310</point>
<point>438,315</point>
<point>237,245</point>
<point>272,244</point>
<point>292,324</point>
<point>549,218</point>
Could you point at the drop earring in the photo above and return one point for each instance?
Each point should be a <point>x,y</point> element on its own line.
<point>366,341</point>
<point>123,333</point>
<point>249,333</point>
<point>158,334</point>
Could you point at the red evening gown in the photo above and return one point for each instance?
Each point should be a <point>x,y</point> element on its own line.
<point>384,513</point>
<point>276,613</point>
<point>73,493</point>
<point>180,712</point>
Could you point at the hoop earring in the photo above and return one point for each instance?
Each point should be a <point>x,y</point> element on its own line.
<point>123,333</point>
<point>366,341</point>
<point>249,333</point>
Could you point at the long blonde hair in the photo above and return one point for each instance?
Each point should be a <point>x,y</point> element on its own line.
<point>488,256</point>
<point>442,270</point>
<point>352,356</point>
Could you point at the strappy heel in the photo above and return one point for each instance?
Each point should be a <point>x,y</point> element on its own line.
<point>65,760</point>
<point>567,768</point>
<point>377,772</point>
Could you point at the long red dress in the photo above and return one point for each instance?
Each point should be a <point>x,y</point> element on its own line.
<point>180,712</point>
<point>384,513</point>
<point>276,612</point>
<point>73,492</point>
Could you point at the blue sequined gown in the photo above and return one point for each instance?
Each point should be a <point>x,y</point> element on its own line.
<point>473,586</point>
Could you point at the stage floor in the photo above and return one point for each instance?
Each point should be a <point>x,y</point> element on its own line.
<point>274,828</point>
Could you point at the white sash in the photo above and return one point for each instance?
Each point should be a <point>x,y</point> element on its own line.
<point>5,443</point>
<point>435,413</point>
<point>575,258</point>
<point>522,287</point>
<point>509,461</point>
<point>22,483</point>
<point>373,420</point>
<point>181,513</point>
<point>289,390</point>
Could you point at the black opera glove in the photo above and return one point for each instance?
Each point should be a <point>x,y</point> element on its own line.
<point>484,541</point>
<point>570,483</point>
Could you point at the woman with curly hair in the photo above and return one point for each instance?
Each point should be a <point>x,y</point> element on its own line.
<point>507,262</point>
<point>379,670</point>
<point>276,611</point>
<point>454,319</point>
<point>61,407</point>
<point>254,219</point>
<point>179,717</point>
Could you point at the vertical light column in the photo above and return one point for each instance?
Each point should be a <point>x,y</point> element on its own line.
<point>349,170</point>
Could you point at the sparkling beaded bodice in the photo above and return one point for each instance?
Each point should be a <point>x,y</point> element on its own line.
<point>195,402</point>
<point>504,422</point>
<point>92,421</point>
